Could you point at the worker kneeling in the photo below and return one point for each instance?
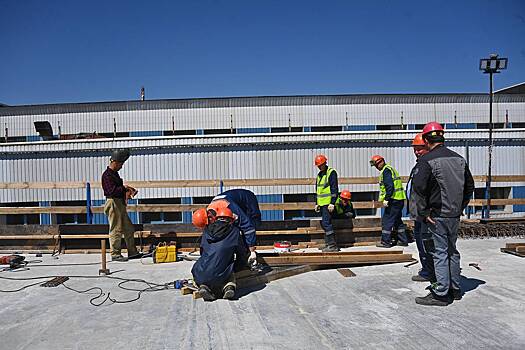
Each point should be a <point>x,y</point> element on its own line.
<point>222,252</point>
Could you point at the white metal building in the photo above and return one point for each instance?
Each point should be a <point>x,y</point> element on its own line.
<point>249,138</point>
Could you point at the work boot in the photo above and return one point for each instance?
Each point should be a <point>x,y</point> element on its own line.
<point>206,293</point>
<point>331,245</point>
<point>229,292</point>
<point>432,299</point>
<point>419,278</point>
<point>402,244</point>
<point>119,258</point>
<point>455,293</point>
<point>384,245</point>
<point>135,256</point>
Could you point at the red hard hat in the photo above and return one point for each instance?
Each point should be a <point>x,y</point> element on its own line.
<point>418,140</point>
<point>199,218</point>
<point>345,194</point>
<point>432,126</point>
<point>218,204</point>
<point>225,213</point>
<point>376,159</point>
<point>320,159</point>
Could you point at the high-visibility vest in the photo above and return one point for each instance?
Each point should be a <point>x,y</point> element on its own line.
<point>324,196</point>
<point>339,208</point>
<point>399,192</point>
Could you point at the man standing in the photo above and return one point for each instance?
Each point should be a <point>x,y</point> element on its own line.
<point>221,249</point>
<point>392,195</point>
<point>421,234</point>
<point>443,180</point>
<point>117,194</point>
<point>327,190</point>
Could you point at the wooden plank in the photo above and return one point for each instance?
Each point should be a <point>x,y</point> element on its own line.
<point>514,245</point>
<point>520,249</point>
<point>334,259</point>
<point>512,251</point>
<point>346,272</point>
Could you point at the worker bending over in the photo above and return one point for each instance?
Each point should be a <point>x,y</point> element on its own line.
<point>421,233</point>
<point>222,252</point>
<point>246,200</point>
<point>245,223</point>
<point>443,181</point>
<point>392,196</point>
<point>117,195</point>
<point>343,206</point>
<point>327,190</point>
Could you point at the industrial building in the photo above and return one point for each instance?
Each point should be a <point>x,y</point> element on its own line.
<point>246,138</point>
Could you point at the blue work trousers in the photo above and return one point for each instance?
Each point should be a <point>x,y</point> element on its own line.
<point>391,221</point>
<point>326,221</point>
<point>446,256</point>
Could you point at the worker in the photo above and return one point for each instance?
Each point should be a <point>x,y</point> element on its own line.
<point>246,200</point>
<point>246,225</point>
<point>327,190</point>
<point>117,194</point>
<point>443,182</point>
<point>392,196</point>
<point>426,273</point>
<point>221,246</point>
<point>343,206</point>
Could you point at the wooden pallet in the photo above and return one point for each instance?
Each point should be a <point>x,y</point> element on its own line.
<point>517,249</point>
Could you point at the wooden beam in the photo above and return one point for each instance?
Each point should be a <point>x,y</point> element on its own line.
<point>227,182</point>
<point>336,259</point>
<point>346,272</point>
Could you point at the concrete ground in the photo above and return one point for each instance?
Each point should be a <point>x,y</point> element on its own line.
<point>316,310</point>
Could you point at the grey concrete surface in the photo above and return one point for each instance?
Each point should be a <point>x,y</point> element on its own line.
<point>316,310</point>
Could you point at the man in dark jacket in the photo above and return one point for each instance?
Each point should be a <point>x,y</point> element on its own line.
<point>421,234</point>
<point>221,247</point>
<point>444,185</point>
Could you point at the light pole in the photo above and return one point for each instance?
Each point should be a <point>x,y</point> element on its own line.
<point>490,65</point>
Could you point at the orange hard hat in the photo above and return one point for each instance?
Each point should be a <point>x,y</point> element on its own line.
<point>418,140</point>
<point>345,194</point>
<point>199,218</point>
<point>225,213</point>
<point>432,126</point>
<point>376,159</point>
<point>320,159</point>
<point>216,205</point>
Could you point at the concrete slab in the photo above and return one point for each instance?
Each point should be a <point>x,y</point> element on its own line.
<point>316,310</point>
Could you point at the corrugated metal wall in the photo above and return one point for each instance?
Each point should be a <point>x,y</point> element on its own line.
<point>236,157</point>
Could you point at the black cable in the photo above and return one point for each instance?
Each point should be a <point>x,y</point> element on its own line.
<point>152,287</point>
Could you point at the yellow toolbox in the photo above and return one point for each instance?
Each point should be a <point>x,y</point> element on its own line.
<point>165,253</point>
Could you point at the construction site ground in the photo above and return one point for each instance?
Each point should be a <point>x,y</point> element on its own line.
<point>315,310</point>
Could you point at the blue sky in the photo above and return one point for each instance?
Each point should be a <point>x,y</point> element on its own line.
<point>83,51</point>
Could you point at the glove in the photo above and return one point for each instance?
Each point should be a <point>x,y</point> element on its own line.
<point>252,260</point>
<point>385,204</point>
<point>317,208</point>
<point>331,207</point>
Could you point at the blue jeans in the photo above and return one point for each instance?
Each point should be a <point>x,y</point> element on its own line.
<point>326,221</point>
<point>446,256</point>
<point>391,221</point>
<point>427,263</point>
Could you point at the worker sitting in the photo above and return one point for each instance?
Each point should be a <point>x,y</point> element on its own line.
<point>222,253</point>
<point>343,206</point>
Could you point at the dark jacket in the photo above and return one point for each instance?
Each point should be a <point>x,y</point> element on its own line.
<point>334,185</point>
<point>220,243</point>
<point>246,200</point>
<point>443,182</point>
<point>112,184</point>
<point>412,196</point>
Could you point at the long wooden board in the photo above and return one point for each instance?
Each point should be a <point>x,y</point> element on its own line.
<point>335,259</point>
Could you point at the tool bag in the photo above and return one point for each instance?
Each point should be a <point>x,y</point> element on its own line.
<point>165,253</point>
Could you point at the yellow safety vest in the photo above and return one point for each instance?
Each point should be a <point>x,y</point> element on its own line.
<point>399,192</point>
<point>324,196</point>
